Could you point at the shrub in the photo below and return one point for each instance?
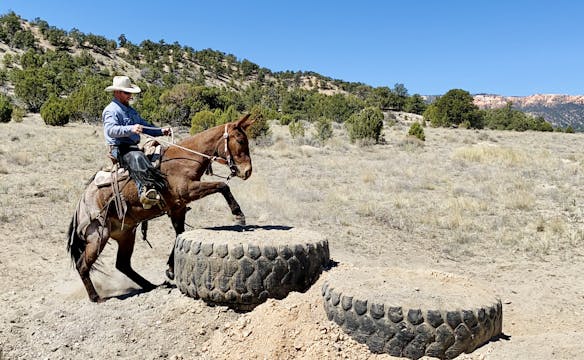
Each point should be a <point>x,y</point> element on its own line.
<point>54,111</point>
<point>286,119</point>
<point>261,127</point>
<point>87,102</point>
<point>456,107</point>
<point>296,129</point>
<point>202,121</point>
<point>230,114</point>
<point>5,109</point>
<point>570,129</point>
<point>366,124</point>
<point>18,114</point>
<point>324,129</point>
<point>416,130</point>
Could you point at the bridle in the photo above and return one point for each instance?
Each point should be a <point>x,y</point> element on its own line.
<point>228,160</point>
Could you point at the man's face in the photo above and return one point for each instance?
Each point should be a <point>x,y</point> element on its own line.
<point>124,97</point>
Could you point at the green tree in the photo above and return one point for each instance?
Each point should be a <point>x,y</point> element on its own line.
<point>366,124</point>
<point>456,107</point>
<point>542,125</point>
<point>507,118</point>
<point>340,107</point>
<point>415,104</point>
<point>294,103</point>
<point>260,127</point>
<point>148,104</point>
<point>12,33</point>
<point>54,111</point>
<point>6,109</point>
<point>202,121</point>
<point>324,129</point>
<point>122,40</point>
<point>88,101</point>
<point>398,97</point>
<point>183,100</point>
<point>248,68</point>
<point>58,38</point>
<point>380,97</point>
<point>230,114</point>
<point>32,86</point>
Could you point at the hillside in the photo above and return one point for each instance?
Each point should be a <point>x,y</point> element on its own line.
<point>560,110</point>
<point>163,66</point>
<point>152,61</point>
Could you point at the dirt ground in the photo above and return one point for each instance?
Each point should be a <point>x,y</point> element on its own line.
<point>498,207</point>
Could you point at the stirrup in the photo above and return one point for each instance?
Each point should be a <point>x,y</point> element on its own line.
<point>149,198</point>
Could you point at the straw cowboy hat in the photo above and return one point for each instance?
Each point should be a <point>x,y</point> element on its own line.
<point>122,83</point>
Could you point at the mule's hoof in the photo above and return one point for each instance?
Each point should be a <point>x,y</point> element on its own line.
<point>149,287</point>
<point>240,220</point>
<point>97,299</point>
<point>170,274</point>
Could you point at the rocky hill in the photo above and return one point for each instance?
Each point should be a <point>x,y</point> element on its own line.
<point>166,64</point>
<point>153,62</point>
<point>560,110</point>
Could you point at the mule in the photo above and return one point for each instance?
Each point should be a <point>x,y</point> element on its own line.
<point>96,221</point>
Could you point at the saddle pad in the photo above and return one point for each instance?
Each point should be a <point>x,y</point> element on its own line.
<point>104,178</point>
<point>153,151</point>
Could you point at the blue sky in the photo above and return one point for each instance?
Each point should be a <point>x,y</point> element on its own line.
<point>500,47</point>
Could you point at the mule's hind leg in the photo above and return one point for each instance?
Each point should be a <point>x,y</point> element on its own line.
<point>123,260</point>
<point>178,223</point>
<point>96,239</point>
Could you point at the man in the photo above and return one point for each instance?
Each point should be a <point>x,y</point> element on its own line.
<point>122,126</point>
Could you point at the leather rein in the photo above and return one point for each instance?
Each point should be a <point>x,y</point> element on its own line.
<point>228,160</point>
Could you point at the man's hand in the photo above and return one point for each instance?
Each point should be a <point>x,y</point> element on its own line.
<point>166,131</point>
<point>137,129</point>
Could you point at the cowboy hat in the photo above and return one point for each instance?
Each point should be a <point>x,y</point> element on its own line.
<point>122,83</point>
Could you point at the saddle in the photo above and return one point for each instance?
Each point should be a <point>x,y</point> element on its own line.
<point>113,176</point>
<point>151,148</point>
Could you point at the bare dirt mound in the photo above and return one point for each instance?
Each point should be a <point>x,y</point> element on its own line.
<point>298,327</point>
<point>295,327</point>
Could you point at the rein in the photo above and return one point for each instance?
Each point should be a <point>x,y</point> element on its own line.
<point>228,161</point>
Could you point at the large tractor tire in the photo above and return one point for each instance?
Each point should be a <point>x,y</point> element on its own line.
<point>410,313</point>
<point>242,267</point>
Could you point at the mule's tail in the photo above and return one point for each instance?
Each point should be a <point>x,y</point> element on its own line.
<point>75,244</point>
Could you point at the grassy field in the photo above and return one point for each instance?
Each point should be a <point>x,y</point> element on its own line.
<point>500,207</point>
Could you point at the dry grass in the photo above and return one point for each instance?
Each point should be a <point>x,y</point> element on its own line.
<point>488,184</point>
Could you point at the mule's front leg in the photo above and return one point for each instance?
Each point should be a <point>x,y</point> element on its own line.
<point>199,190</point>
<point>233,205</point>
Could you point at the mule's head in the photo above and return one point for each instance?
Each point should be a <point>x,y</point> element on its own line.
<point>238,147</point>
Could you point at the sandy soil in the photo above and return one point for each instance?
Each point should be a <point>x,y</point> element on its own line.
<point>400,205</point>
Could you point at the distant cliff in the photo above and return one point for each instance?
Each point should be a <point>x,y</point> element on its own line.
<point>559,110</point>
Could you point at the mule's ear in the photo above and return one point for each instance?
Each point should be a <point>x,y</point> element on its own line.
<point>244,122</point>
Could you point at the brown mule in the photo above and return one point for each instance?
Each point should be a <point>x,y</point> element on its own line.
<point>183,166</point>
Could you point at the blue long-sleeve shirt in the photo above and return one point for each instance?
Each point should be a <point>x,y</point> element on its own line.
<point>118,120</point>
